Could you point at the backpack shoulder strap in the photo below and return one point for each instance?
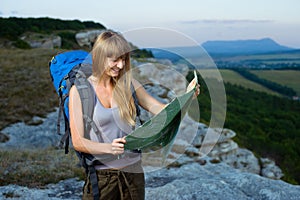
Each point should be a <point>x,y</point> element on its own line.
<point>87,98</point>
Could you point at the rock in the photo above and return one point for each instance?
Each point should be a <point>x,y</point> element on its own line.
<point>35,121</point>
<point>164,75</point>
<point>87,38</point>
<point>192,151</point>
<point>158,91</point>
<point>67,189</point>
<point>38,40</point>
<point>180,161</point>
<point>23,136</point>
<point>215,181</point>
<point>270,170</point>
<point>223,148</point>
<point>227,151</point>
<point>243,160</point>
<point>226,135</point>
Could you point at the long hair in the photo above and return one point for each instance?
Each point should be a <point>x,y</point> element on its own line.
<point>113,44</point>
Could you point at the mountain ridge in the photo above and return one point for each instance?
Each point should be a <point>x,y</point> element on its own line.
<point>216,48</point>
<point>249,46</point>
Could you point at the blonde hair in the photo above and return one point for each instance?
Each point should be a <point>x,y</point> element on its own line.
<point>114,45</point>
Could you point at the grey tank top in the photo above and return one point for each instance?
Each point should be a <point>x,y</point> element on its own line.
<point>111,126</point>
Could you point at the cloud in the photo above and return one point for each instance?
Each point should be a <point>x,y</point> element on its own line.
<point>225,21</point>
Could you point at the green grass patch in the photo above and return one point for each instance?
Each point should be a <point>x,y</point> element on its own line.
<point>232,77</point>
<point>289,78</point>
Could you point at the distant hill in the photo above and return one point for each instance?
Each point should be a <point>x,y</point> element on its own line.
<point>223,48</point>
<point>265,45</point>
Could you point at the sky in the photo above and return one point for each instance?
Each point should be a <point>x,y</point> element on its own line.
<point>155,23</point>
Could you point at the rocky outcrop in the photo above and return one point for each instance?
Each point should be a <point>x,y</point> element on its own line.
<point>70,189</point>
<point>214,181</point>
<point>37,40</point>
<point>269,169</point>
<point>21,137</point>
<point>228,151</point>
<point>87,38</point>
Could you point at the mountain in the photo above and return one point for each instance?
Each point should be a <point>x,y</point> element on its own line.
<point>222,48</point>
<point>265,45</point>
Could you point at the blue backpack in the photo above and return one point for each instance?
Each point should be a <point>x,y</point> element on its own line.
<point>68,69</point>
<point>73,68</point>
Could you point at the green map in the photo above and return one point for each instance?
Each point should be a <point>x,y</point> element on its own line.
<point>161,129</point>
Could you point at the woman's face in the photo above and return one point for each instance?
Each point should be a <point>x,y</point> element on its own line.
<point>114,66</point>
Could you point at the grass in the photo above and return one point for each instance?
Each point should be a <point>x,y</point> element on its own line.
<point>289,78</point>
<point>37,168</point>
<point>230,76</point>
<point>26,89</point>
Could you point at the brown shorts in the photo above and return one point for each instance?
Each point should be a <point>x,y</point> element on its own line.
<point>118,184</point>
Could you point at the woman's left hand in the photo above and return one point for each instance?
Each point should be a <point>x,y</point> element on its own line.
<point>197,92</point>
<point>192,85</point>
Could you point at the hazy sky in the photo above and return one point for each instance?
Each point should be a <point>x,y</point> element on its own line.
<point>199,20</point>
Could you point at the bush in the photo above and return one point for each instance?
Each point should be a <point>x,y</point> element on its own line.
<point>21,44</point>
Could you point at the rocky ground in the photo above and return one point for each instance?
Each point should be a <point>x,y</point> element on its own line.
<point>190,181</point>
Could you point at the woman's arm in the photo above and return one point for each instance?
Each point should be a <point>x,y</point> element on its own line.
<point>148,102</point>
<point>77,131</point>
<point>152,105</point>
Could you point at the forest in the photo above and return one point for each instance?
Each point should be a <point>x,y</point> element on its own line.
<point>13,27</point>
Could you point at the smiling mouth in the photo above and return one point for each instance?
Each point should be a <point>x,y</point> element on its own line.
<point>115,70</point>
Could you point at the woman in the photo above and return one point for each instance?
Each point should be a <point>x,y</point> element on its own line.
<point>114,114</point>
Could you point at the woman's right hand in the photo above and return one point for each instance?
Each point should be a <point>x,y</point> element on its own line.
<point>117,146</point>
